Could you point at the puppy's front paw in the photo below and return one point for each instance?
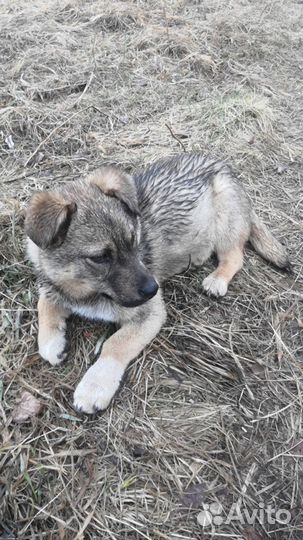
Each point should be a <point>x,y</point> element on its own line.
<point>215,285</point>
<point>53,346</point>
<point>98,386</point>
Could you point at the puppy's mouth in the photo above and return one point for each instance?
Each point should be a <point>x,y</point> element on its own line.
<point>127,304</point>
<point>133,303</point>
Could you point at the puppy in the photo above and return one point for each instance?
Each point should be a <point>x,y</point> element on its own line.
<point>102,246</point>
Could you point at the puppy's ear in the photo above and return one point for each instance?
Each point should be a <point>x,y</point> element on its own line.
<point>116,184</point>
<point>48,217</point>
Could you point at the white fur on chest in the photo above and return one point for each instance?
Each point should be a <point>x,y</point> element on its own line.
<point>100,312</point>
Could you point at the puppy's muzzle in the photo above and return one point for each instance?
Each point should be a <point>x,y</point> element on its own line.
<point>146,289</point>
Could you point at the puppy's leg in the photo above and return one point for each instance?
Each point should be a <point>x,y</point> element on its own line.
<point>230,262</point>
<point>52,329</point>
<point>102,380</point>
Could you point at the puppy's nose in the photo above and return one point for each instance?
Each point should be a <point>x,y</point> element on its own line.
<point>148,288</point>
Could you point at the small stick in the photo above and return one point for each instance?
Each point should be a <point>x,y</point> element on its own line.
<point>176,137</point>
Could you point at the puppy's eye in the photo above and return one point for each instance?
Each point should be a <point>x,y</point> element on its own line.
<point>101,258</point>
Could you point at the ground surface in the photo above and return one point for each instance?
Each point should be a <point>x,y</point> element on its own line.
<point>212,412</point>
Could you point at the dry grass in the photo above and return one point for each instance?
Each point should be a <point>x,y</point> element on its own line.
<point>216,401</point>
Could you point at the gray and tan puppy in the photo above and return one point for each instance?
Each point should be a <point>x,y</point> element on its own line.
<point>103,245</point>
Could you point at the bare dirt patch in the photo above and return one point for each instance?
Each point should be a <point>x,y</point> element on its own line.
<point>212,411</point>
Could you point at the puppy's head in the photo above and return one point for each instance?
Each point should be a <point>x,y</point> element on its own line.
<point>85,239</point>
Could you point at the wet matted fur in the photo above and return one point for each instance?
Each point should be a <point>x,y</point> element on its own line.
<point>103,246</point>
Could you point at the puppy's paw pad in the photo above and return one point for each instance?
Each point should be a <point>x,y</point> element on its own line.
<point>215,285</point>
<point>54,349</point>
<point>98,386</point>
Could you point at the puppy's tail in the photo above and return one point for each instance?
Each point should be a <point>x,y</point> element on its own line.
<point>267,245</point>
